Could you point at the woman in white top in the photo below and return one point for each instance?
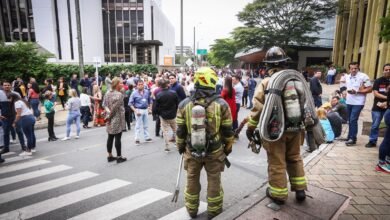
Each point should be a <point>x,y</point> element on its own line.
<point>73,105</point>
<point>25,120</point>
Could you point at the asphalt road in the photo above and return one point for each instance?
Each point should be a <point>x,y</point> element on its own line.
<point>66,179</point>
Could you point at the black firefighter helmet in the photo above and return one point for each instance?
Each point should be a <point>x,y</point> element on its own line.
<point>275,56</point>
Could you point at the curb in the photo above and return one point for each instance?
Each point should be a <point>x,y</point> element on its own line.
<point>44,125</point>
<point>258,195</point>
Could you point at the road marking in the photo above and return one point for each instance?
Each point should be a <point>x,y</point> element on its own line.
<point>41,187</point>
<point>11,168</point>
<point>15,159</point>
<point>9,153</point>
<point>123,206</point>
<point>64,134</point>
<point>63,200</point>
<point>181,214</point>
<point>34,174</point>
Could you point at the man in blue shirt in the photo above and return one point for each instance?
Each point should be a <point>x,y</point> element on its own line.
<point>176,87</point>
<point>141,104</point>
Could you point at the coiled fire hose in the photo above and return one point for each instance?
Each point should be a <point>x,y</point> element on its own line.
<point>277,83</point>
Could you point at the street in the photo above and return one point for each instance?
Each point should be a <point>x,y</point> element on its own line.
<point>72,179</point>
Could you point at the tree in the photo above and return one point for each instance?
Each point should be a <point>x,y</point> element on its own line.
<point>21,59</point>
<point>282,22</point>
<point>385,32</point>
<point>222,52</point>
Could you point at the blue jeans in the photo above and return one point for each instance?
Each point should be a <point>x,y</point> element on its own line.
<point>235,122</point>
<point>377,117</point>
<point>73,116</point>
<point>35,106</point>
<point>329,79</point>
<point>384,148</point>
<point>317,101</point>
<point>141,120</point>
<point>7,127</point>
<point>250,94</point>
<point>353,115</point>
<point>26,123</point>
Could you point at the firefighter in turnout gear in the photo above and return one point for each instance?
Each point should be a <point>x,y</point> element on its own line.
<point>283,154</point>
<point>205,136</point>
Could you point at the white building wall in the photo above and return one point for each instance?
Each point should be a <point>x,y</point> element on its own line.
<point>44,23</point>
<point>163,29</point>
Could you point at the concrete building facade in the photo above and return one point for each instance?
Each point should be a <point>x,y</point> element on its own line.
<point>356,36</point>
<point>116,31</point>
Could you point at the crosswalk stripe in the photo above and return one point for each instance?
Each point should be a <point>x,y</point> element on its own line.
<point>8,154</point>
<point>33,174</point>
<point>123,206</point>
<point>11,168</point>
<point>41,187</point>
<point>15,159</point>
<point>181,214</point>
<point>63,200</point>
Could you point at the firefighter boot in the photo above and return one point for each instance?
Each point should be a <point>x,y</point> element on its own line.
<point>277,201</point>
<point>300,195</point>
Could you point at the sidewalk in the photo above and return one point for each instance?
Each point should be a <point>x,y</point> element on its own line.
<point>59,118</point>
<point>342,178</point>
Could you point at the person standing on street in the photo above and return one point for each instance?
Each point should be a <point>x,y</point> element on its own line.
<point>141,104</point>
<point>358,86</point>
<point>108,81</point>
<point>316,88</point>
<point>73,104</point>
<point>283,154</point>
<point>176,87</point>
<point>74,84</point>
<point>62,91</point>
<point>86,107</point>
<point>216,130</point>
<point>165,106</point>
<point>113,103</point>
<point>379,107</point>
<point>251,90</point>
<point>239,94</point>
<point>331,75</point>
<point>50,112</point>
<point>86,83</point>
<point>384,148</point>
<point>229,95</point>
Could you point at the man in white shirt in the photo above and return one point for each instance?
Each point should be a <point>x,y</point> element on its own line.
<point>239,93</point>
<point>330,76</point>
<point>358,85</point>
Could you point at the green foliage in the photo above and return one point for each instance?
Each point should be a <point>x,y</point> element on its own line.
<point>282,22</point>
<point>385,33</point>
<point>222,52</point>
<point>20,59</point>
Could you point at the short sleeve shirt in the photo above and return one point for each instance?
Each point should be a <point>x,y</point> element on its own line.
<point>354,82</point>
<point>380,85</point>
<point>21,105</point>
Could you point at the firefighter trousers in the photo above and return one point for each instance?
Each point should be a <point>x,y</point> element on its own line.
<point>284,155</point>
<point>214,165</point>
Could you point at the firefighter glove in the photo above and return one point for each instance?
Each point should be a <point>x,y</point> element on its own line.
<point>228,149</point>
<point>250,133</point>
<point>182,149</point>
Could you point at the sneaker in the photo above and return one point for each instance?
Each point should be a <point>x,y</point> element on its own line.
<point>350,142</point>
<point>385,167</point>
<point>167,150</point>
<point>370,145</point>
<point>33,150</point>
<point>137,143</point>
<point>25,153</point>
<point>65,138</point>
<point>120,159</point>
<point>110,159</point>
<point>13,141</point>
<point>2,160</point>
<point>149,140</point>
<point>4,150</point>
<point>77,137</point>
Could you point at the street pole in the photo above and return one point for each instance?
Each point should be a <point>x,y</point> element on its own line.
<point>79,39</point>
<point>181,33</point>
<point>194,47</point>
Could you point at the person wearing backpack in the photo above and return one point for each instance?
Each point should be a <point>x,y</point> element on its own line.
<point>205,136</point>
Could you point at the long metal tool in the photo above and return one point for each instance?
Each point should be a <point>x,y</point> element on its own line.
<point>177,189</point>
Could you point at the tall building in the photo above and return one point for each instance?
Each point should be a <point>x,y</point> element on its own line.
<point>124,31</point>
<point>187,50</point>
<point>357,38</point>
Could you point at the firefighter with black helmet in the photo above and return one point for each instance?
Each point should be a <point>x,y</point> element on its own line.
<point>205,136</point>
<point>283,154</point>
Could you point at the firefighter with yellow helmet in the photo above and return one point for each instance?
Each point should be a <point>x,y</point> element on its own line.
<point>283,154</point>
<point>205,136</point>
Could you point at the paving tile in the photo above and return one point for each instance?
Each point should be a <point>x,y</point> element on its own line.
<point>367,209</point>
<point>343,191</point>
<point>342,184</point>
<point>375,192</point>
<point>362,200</point>
<point>341,161</point>
<point>360,192</point>
<point>358,185</point>
<point>356,172</point>
<point>314,177</point>
<point>343,177</point>
<point>357,178</point>
<point>382,217</point>
<point>327,177</point>
<point>328,184</point>
<point>343,167</point>
<point>383,209</point>
<point>386,185</point>
<point>373,185</point>
<point>351,210</point>
<point>346,217</point>
<point>379,200</point>
<point>315,183</point>
<point>385,179</point>
<point>387,191</point>
<point>342,172</point>
<point>364,217</point>
<point>328,171</point>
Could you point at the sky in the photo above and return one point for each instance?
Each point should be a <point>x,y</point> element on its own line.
<point>213,19</point>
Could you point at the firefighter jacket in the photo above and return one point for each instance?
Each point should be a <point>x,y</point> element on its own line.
<point>219,122</point>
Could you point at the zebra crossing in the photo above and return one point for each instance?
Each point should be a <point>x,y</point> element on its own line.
<point>25,169</point>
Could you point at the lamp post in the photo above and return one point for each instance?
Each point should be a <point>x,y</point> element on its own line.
<point>195,41</point>
<point>181,33</point>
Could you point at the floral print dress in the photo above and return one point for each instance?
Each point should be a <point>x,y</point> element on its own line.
<point>113,102</point>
